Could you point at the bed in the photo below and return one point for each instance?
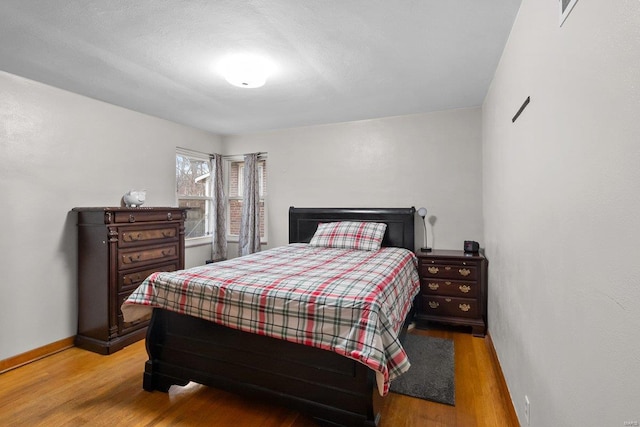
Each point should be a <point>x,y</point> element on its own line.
<point>332,388</point>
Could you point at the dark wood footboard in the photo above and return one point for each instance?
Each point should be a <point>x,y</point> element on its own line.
<point>333,389</point>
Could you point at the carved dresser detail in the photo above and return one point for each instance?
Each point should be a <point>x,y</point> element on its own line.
<point>117,249</point>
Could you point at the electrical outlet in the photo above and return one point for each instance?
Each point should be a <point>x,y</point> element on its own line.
<point>527,410</point>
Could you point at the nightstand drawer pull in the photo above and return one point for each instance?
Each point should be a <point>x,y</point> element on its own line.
<point>433,270</point>
<point>464,288</point>
<point>447,268</point>
<point>434,304</point>
<point>464,307</point>
<point>447,299</point>
<point>433,286</point>
<point>447,283</point>
<point>464,272</point>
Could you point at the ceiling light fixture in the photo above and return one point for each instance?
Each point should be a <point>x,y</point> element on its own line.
<point>245,70</point>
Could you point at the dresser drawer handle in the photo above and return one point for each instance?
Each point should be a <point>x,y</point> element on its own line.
<point>433,270</point>
<point>130,237</point>
<point>447,268</point>
<point>464,307</point>
<point>167,233</point>
<point>130,280</point>
<point>169,216</point>
<point>434,304</point>
<point>167,252</point>
<point>131,258</point>
<point>464,288</point>
<point>433,286</point>
<point>447,299</point>
<point>132,218</point>
<point>447,283</point>
<point>464,272</point>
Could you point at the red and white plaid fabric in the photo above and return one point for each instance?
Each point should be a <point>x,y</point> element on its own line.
<point>347,301</point>
<point>366,236</point>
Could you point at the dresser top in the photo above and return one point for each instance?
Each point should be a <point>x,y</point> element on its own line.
<point>125,209</point>
<point>121,215</point>
<point>448,253</point>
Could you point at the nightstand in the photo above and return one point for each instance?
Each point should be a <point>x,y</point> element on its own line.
<point>453,289</point>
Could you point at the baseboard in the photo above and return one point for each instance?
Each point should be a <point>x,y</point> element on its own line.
<point>36,354</point>
<point>504,389</point>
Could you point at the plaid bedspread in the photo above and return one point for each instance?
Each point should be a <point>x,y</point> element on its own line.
<point>351,302</point>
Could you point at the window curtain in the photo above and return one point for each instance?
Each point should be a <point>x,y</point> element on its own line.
<point>219,221</point>
<point>249,238</point>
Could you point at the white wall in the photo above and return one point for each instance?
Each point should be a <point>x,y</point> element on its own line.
<point>59,150</point>
<point>431,160</point>
<point>561,207</point>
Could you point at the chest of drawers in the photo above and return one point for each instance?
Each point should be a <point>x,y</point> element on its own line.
<point>117,249</point>
<point>453,289</point>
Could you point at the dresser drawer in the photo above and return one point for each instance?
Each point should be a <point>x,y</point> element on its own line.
<point>127,327</point>
<point>445,306</point>
<point>454,288</point>
<point>449,271</point>
<point>147,235</point>
<point>130,280</point>
<point>133,258</point>
<point>142,215</point>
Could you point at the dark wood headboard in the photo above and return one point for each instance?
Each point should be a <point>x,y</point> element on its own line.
<point>303,222</point>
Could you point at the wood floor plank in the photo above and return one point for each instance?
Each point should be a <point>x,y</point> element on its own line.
<point>75,388</point>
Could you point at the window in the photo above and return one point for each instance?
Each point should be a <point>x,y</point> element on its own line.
<point>194,191</point>
<point>240,174</point>
<point>234,175</point>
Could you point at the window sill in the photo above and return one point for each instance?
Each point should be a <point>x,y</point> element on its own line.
<point>197,241</point>
<point>206,240</point>
<point>234,239</point>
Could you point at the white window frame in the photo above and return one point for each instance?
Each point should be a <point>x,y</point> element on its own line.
<point>227,161</point>
<point>241,180</point>
<point>206,239</point>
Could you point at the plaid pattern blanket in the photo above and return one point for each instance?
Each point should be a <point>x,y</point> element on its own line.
<point>351,302</point>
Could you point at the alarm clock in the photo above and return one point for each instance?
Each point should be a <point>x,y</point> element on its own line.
<point>471,247</point>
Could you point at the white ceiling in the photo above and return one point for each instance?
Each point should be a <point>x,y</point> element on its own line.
<point>338,60</point>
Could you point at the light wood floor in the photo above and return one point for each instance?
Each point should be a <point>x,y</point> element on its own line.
<point>76,387</point>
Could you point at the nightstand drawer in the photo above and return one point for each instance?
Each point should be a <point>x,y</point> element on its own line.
<point>456,288</point>
<point>445,306</point>
<point>448,271</point>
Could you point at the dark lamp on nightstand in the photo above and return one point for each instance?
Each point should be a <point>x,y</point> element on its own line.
<point>423,213</point>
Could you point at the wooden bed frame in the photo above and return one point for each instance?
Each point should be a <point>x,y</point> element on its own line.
<point>331,388</point>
